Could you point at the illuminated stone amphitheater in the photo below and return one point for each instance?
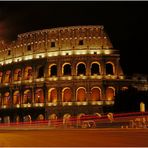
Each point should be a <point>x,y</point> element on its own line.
<point>58,73</point>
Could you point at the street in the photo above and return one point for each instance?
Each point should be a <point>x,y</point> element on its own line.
<point>74,137</point>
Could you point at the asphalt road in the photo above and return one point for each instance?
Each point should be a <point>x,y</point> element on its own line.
<point>75,138</point>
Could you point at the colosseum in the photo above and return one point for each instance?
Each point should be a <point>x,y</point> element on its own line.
<point>58,73</point>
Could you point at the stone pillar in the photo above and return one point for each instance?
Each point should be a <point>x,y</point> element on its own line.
<point>33,93</point>
<point>59,95</point>
<point>73,93</point>
<point>34,72</point>
<point>59,68</point>
<point>12,75</point>
<point>88,91</point>
<point>103,89</point>
<point>46,69</point>
<point>45,90</point>
<point>88,68</point>
<point>74,69</point>
<point>11,97</point>
<point>23,72</point>
<point>21,95</point>
<point>103,66</point>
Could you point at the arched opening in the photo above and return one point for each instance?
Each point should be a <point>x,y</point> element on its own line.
<point>109,68</point>
<point>7,119</point>
<point>53,70</point>
<point>95,94</point>
<point>7,76</point>
<point>40,117</point>
<point>81,69</point>
<point>52,95</point>
<point>16,98</point>
<point>52,117</point>
<point>66,120</point>
<point>110,93</point>
<point>28,73</point>
<point>39,96</point>
<point>17,75</point>
<point>27,118</point>
<point>40,72</point>
<point>52,120</point>
<point>1,74</point>
<point>67,69</point>
<point>67,95</point>
<point>124,88</point>
<point>79,122</point>
<point>7,99</point>
<point>17,119</point>
<point>95,69</point>
<point>27,97</point>
<point>81,94</point>
<point>98,114</point>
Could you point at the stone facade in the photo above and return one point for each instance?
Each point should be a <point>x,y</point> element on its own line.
<point>58,73</point>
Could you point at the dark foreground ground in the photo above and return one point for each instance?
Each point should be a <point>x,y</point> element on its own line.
<point>74,137</point>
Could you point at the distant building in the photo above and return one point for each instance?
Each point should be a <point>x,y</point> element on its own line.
<point>59,73</point>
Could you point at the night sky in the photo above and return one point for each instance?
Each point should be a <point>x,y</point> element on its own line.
<point>125,23</point>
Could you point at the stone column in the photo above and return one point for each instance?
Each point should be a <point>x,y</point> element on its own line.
<point>59,68</point>
<point>33,93</point>
<point>88,68</point>
<point>73,93</point>
<point>59,95</point>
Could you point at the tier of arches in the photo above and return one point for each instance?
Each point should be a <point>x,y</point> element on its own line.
<point>66,119</point>
<point>67,69</point>
<point>81,68</point>
<point>53,95</point>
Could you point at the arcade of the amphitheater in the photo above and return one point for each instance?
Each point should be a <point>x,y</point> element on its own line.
<point>59,72</point>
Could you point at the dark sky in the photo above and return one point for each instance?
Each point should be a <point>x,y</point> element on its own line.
<point>125,22</point>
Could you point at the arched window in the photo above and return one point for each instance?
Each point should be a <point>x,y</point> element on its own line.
<point>110,93</point>
<point>52,95</point>
<point>66,119</point>
<point>95,69</point>
<point>6,119</point>
<point>52,117</point>
<point>53,70</point>
<point>66,95</point>
<point>28,73</point>
<point>7,99</point>
<point>124,88</point>
<point>39,96</point>
<point>27,97</point>
<point>40,72</point>
<point>17,119</point>
<point>95,94</point>
<point>17,75</point>
<point>67,69</point>
<point>40,117</point>
<point>8,76</point>
<point>81,69</point>
<point>27,118</point>
<point>16,98</point>
<point>79,116</point>
<point>109,68</point>
<point>81,94</point>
